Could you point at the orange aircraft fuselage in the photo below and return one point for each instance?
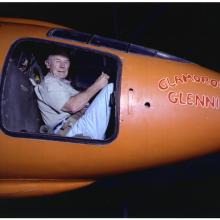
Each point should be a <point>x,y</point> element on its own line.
<point>169,111</point>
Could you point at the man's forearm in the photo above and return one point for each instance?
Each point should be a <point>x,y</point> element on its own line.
<point>79,101</point>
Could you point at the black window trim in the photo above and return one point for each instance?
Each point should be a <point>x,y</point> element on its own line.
<point>51,34</point>
<point>92,37</point>
<point>51,137</point>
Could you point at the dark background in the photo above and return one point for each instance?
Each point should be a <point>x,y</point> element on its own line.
<point>186,189</point>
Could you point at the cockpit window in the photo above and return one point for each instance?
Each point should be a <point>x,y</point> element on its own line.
<point>155,53</point>
<point>25,69</point>
<point>111,43</point>
<point>70,34</point>
<point>107,42</point>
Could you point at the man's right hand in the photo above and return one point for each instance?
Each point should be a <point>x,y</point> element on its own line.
<point>102,80</point>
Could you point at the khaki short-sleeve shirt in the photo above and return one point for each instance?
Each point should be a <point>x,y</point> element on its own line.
<point>52,95</point>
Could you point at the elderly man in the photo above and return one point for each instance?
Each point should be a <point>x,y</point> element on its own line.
<point>67,111</point>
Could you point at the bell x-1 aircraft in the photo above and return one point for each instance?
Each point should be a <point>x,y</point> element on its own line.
<point>164,109</point>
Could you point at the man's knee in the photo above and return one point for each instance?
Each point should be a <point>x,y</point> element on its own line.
<point>108,88</point>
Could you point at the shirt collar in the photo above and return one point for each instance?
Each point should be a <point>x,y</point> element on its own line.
<point>61,80</point>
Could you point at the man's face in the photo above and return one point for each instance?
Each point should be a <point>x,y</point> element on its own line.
<point>58,65</point>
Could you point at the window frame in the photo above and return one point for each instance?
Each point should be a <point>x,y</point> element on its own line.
<point>51,137</point>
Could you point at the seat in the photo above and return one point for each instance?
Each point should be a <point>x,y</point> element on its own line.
<point>20,111</point>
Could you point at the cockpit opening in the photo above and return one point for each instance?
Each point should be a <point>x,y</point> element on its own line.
<point>25,69</point>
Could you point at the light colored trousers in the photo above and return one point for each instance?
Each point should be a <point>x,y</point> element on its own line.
<point>96,118</point>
